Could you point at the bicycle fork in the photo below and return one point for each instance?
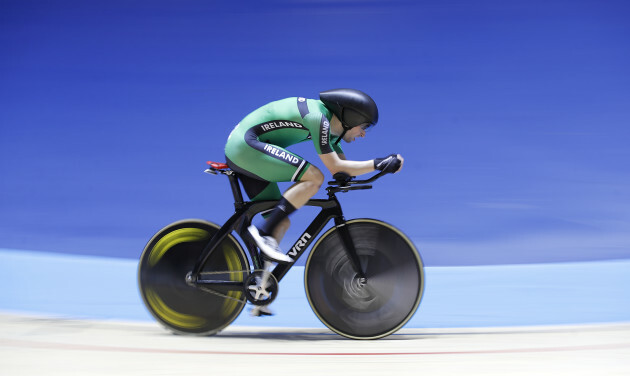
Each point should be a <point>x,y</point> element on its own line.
<point>346,240</point>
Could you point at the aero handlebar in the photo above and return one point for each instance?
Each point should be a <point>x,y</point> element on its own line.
<point>344,183</point>
<point>343,179</point>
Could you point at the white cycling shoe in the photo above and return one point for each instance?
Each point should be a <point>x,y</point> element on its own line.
<point>269,246</point>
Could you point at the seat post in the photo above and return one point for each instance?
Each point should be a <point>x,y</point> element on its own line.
<point>236,190</point>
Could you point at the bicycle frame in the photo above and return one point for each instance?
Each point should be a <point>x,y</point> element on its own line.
<point>242,218</point>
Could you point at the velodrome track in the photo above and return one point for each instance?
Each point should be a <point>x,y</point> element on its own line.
<point>41,346</point>
<point>572,318</point>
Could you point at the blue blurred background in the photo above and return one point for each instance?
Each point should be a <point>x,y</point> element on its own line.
<point>513,118</point>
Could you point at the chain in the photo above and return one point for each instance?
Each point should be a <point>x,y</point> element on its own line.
<point>225,272</point>
<point>209,290</point>
<point>213,292</point>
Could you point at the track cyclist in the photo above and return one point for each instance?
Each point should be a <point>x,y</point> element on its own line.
<point>256,149</point>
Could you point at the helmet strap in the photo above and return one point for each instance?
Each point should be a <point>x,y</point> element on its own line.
<point>341,136</point>
<point>343,125</point>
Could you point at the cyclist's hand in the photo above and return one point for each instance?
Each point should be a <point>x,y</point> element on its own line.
<point>392,163</point>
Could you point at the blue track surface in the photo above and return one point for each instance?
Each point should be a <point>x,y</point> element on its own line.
<point>467,296</point>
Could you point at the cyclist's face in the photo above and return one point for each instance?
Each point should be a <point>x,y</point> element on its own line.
<point>354,133</point>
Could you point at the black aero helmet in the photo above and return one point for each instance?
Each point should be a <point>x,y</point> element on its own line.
<point>352,107</point>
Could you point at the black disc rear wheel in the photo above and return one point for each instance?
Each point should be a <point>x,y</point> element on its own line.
<point>169,256</point>
<point>365,308</point>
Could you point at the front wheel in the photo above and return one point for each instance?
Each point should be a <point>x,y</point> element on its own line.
<point>169,256</point>
<point>369,308</point>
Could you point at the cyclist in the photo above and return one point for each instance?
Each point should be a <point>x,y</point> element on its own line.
<point>256,149</point>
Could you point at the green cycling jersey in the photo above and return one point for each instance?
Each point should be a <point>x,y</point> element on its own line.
<point>257,146</point>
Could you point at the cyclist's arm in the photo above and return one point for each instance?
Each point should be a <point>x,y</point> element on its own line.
<point>319,127</point>
<point>335,163</point>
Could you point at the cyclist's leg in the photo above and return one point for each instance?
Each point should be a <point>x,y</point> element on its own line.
<point>256,188</point>
<point>273,164</point>
<point>259,190</point>
<point>293,198</point>
<point>299,193</point>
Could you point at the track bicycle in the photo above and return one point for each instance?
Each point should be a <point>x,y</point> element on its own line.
<point>364,278</point>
